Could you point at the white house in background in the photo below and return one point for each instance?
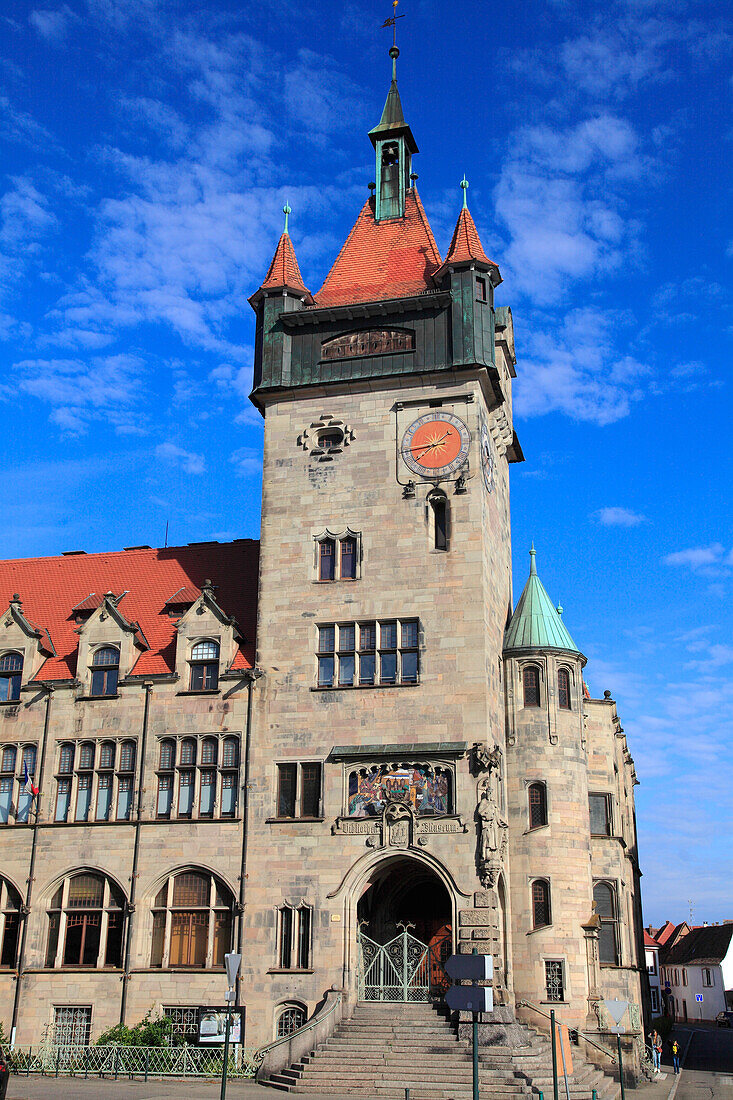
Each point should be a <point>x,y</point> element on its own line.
<point>651,953</point>
<point>697,973</point>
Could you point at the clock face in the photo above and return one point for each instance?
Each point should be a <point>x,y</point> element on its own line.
<point>488,463</point>
<point>436,445</point>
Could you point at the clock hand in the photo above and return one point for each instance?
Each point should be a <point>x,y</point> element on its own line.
<point>426,446</point>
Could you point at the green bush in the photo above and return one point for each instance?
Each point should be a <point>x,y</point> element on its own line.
<point>148,1033</point>
<point>4,1041</point>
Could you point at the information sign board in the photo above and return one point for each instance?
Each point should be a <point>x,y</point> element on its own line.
<point>212,1024</point>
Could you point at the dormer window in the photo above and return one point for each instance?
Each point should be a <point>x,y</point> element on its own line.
<point>11,672</point>
<point>105,671</point>
<point>205,666</point>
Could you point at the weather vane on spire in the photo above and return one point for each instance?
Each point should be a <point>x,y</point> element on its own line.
<point>393,22</point>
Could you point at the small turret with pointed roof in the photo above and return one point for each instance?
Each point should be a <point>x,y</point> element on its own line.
<point>536,624</point>
<point>283,272</point>
<point>466,247</point>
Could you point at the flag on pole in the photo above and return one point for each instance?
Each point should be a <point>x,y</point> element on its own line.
<point>30,787</point>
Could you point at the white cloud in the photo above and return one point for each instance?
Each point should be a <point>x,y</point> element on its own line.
<point>558,201</point>
<point>574,367</point>
<point>191,462</point>
<point>248,461</point>
<point>697,556</point>
<point>619,517</point>
<point>106,387</point>
<point>53,25</point>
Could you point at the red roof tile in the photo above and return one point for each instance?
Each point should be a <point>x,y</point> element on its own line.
<point>466,243</point>
<point>284,270</point>
<point>50,587</point>
<point>649,941</point>
<point>389,259</point>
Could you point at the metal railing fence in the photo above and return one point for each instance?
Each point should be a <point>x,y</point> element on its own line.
<point>122,1061</point>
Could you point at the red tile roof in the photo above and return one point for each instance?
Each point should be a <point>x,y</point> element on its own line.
<point>284,270</point>
<point>466,243</point>
<point>389,259</point>
<point>649,941</point>
<point>51,587</point>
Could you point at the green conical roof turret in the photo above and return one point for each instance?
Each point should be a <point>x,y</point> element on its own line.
<point>392,121</point>
<point>536,624</point>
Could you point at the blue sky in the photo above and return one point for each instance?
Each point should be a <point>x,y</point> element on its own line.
<point>147,150</point>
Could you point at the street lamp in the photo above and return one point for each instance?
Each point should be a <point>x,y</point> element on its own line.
<point>232,963</point>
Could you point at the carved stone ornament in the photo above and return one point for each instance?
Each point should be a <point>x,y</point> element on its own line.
<point>398,821</point>
<point>325,438</point>
<point>484,758</point>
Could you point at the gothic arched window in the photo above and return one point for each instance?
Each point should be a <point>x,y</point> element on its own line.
<point>289,1017</point>
<point>85,923</point>
<point>531,684</point>
<point>192,922</point>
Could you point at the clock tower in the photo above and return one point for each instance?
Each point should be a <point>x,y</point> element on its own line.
<point>377,791</point>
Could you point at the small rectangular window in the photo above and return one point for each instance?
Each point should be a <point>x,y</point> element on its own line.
<point>326,560</point>
<point>228,794</point>
<point>83,797</point>
<point>310,789</point>
<point>6,798</point>
<point>104,797</point>
<point>165,795</point>
<point>304,937</point>
<point>554,984</point>
<point>25,801</point>
<point>600,814</point>
<point>348,559</point>
<point>207,794</point>
<point>287,775</point>
<point>185,793</point>
<point>480,289</point>
<point>63,797</point>
<point>286,938</point>
<point>124,798</point>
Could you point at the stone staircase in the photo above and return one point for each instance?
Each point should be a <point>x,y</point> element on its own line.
<point>387,1048</point>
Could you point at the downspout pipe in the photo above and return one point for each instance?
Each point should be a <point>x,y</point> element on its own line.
<point>148,685</point>
<point>252,675</point>
<point>49,689</point>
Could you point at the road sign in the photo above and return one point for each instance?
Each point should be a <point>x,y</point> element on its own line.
<point>232,963</point>
<point>470,998</point>
<point>698,996</point>
<point>470,968</point>
<point>616,1009</point>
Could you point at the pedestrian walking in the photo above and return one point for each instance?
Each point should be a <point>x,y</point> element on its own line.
<point>676,1055</point>
<point>656,1045</point>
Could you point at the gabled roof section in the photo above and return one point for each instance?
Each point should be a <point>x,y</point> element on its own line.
<point>396,258</point>
<point>52,586</point>
<point>536,624</point>
<point>466,247</point>
<point>283,272</point>
<point>665,932</point>
<point>649,941</point>
<point>40,633</point>
<point>701,946</point>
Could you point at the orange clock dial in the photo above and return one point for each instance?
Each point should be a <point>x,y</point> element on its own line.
<point>436,445</point>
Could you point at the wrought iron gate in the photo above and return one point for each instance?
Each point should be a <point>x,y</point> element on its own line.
<point>395,971</point>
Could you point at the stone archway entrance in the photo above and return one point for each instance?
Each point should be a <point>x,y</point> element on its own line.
<point>404,933</point>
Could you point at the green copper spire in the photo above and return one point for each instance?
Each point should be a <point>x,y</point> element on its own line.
<point>464,186</point>
<point>287,212</point>
<point>535,623</point>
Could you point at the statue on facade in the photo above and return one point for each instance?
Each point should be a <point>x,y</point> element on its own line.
<point>492,837</point>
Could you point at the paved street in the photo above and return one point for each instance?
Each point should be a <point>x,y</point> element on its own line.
<point>708,1069</point>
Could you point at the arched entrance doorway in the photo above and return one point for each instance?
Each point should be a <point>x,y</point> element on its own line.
<point>404,933</point>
